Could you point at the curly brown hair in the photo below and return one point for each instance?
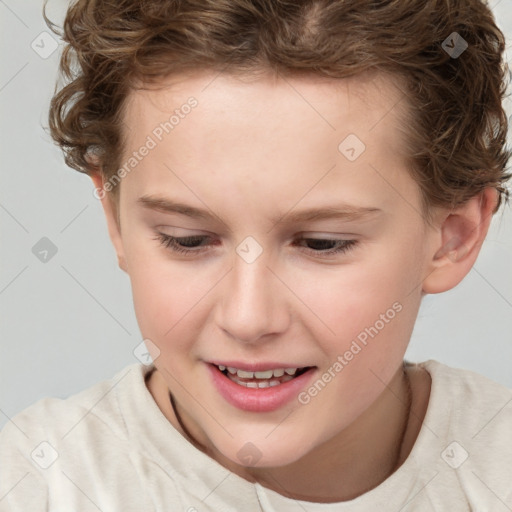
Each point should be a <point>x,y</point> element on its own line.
<point>456,125</point>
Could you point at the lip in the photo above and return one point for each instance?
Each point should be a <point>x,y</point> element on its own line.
<point>258,399</point>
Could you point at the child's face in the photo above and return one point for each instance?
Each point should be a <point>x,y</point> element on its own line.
<point>249,154</point>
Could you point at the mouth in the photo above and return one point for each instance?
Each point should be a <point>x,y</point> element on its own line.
<point>261,379</point>
<point>259,387</point>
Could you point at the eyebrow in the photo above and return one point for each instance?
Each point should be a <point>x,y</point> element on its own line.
<point>341,211</point>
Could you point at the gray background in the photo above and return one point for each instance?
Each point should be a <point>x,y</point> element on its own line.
<point>69,322</point>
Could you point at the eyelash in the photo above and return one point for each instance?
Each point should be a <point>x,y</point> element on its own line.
<point>171,242</point>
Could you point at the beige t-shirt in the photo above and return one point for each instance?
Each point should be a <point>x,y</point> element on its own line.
<point>109,448</point>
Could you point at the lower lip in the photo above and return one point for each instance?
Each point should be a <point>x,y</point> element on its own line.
<point>258,399</point>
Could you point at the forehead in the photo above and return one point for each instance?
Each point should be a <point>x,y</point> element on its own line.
<point>270,137</point>
<point>371,104</point>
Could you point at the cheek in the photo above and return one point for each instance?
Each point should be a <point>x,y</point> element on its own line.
<point>347,299</point>
<point>166,296</point>
<point>364,313</point>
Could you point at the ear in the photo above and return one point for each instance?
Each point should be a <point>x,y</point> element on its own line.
<point>114,228</point>
<point>458,240</point>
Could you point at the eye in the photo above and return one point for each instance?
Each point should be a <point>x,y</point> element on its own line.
<point>327,246</point>
<point>192,245</point>
<point>183,245</point>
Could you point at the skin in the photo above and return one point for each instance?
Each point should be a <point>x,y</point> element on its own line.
<point>251,151</point>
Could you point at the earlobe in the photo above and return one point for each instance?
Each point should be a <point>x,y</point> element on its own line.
<point>458,241</point>
<point>114,230</point>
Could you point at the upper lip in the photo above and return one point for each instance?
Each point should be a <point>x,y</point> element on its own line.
<point>258,366</point>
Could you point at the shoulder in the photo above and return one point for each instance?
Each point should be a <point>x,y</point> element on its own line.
<point>56,430</point>
<point>58,416</point>
<point>469,423</point>
<point>469,397</point>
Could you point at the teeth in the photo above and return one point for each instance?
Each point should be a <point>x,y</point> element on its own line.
<point>266,374</point>
<point>245,375</point>
<point>263,383</point>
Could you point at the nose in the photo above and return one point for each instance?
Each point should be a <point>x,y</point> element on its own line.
<point>253,301</point>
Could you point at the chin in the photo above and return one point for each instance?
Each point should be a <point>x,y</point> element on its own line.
<point>253,455</point>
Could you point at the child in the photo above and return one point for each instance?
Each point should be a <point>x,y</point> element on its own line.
<point>283,183</point>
